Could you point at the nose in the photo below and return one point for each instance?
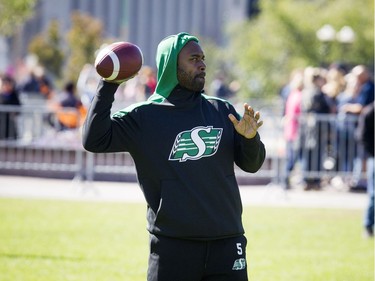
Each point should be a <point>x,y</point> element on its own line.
<point>202,66</point>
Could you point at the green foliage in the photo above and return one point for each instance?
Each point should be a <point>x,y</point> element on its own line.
<point>283,37</point>
<point>13,13</point>
<point>81,41</point>
<point>84,38</point>
<point>47,47</point>
<point>108,241</point>
<point>216,60</point>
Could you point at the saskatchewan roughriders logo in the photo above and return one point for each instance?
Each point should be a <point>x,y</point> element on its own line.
<point>239,264</point>
<point>196,143</point>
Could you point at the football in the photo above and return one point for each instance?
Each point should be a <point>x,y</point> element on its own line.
<point>119,61</point>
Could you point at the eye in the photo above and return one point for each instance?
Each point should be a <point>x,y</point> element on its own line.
<point>197,58</point>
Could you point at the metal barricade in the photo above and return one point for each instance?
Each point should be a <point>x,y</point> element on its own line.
<point>328,143</point>
<point>40,146</point>
<point>36,143</point>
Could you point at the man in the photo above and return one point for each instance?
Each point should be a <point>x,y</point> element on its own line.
<point>69,109</point>
<point>365,135</point>
<point>365,92</point>
<point>291,125</point>
<point>364,95</point>
<point>9,96</point>
<point>184,146</point>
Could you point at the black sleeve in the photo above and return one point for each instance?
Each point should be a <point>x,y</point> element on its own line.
<point>101,132</point>
<point>249,153</point>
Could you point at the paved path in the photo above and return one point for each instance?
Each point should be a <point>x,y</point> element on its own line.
<point>41,188</point>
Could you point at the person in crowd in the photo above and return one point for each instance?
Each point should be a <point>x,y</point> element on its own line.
<point>69,97</point>
<point>31,85</point>
<point>313,135</point>
<point>184,145</point>
<point>38,84</point>
<point>8,119</point>
<point>148,80</point>
<point>69,110</point>
<point>291,124</point>
<point>219,87</point>
<point>365,135</point>
<point>345,127</point>
<point>334,85</point>
<point>87,82</point>
<point>138,89</point>
<point>286,89</point>
<point>132,92</point>
<point>363,95</point>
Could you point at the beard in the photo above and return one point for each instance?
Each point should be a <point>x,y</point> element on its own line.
<point>192,83</point>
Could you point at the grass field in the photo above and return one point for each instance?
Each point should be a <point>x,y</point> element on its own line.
<point>88,241</point>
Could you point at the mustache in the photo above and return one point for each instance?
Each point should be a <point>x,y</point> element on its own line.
<point>201,75</point>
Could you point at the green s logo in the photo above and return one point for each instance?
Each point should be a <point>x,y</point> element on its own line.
<point>196,143</point>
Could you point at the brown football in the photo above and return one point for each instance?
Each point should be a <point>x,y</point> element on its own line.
<point>119,61</point>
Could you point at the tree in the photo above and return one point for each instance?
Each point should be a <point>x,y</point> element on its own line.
<point>14,13</point>
<point>216,60</point>
<point>47,47</point>
<point>283,37</point>
<point>84,39</point>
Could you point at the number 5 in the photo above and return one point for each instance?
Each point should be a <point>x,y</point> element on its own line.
<point>239,248</point>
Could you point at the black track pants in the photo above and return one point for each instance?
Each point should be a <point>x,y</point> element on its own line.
<point>189,260</point>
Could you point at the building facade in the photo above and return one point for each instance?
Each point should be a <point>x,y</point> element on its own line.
<point>143,22</point>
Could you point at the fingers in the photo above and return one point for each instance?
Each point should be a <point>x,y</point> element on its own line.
<point>248,114</point>
<point>256,118</point>
<point>248,110</point>
<point>256,115</point>
<point>233,119</point>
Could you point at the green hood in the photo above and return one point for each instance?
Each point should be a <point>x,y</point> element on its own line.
<point>166,61</point>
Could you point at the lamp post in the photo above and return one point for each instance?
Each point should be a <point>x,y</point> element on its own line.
<point>345,36</point>
<point>327,34</point>
<point>3,54</point>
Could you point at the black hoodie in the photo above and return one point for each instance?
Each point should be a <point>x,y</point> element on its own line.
<point>184,147</point>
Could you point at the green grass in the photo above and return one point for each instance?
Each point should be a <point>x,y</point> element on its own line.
<point>308,245</point>
<point>60,240</point>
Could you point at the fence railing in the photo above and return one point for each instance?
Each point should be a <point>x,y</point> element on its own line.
<point>33,141</point>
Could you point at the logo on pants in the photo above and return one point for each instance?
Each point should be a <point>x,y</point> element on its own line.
<point>239,264</point>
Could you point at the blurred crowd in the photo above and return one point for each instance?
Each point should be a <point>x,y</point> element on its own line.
<point>38,90</point>
<point>329,124</point>
<point>347,96</point>
<point>67,103</point>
